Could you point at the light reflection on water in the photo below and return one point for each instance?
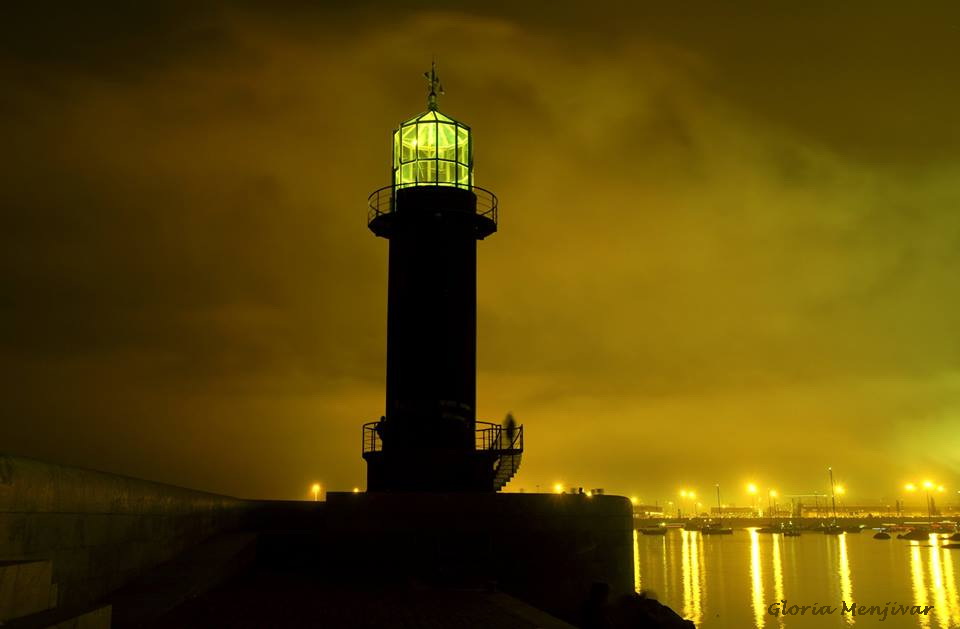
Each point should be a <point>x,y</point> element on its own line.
<point>730,581</point>
<point>950,580</point>
<point>936,577</point>
<point>778,573</point>
<point>843,569</point>
<point>692,571</point>
<point>637,583</point>
<point>756,579</point>
<point>916,573</point>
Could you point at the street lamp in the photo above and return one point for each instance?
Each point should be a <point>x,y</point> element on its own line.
<point>927,486</point>
<point>752,490</point>
<point>840,490</point>
<point>316,491</point>
<point>910,487</point>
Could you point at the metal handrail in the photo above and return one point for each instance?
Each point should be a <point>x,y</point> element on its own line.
<point>517,443</point>
<point>488,436</point>
<point>371,438</point>
<point>383,201</point>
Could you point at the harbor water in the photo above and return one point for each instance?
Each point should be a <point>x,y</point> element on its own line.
<point>736,581</point>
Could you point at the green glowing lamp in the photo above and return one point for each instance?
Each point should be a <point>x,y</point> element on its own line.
<point>432,149</point>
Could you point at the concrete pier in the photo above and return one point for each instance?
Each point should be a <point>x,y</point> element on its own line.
<point>95,531</point>
<point>79,543</point>
<point>546,549</point>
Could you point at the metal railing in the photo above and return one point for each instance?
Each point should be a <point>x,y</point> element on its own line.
<point>487,436</point>
<point>383,201</point>
<point>371,438</point>
<point>494,437</point>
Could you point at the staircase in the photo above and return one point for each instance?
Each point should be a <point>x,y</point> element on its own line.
<point>507,453</point>
<point>506,467</point>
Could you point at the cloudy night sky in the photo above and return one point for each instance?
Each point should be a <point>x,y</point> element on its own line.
<point>729,240</point>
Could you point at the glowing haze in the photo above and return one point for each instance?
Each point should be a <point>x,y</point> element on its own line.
<point>728,251</point>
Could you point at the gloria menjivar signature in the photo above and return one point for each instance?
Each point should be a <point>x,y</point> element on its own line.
<point>784,608</point>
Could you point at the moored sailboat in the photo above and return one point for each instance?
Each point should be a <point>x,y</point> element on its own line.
<point>833,528</point>
<point>716,528</point>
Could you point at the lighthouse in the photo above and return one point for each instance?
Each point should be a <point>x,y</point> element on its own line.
<point>432,214</point>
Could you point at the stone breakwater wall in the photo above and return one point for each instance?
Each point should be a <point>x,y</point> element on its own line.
<point>100,530</point>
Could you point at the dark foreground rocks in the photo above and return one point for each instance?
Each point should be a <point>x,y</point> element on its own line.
<point>633,611</point>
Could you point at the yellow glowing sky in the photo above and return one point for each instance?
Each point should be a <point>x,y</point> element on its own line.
<point>728,250</point>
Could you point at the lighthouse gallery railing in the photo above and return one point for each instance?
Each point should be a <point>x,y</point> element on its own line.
<point>383,201</point>
<point>487,436</point>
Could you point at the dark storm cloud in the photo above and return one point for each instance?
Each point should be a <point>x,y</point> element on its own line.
<point>115,40</point>
<point>716,233</point>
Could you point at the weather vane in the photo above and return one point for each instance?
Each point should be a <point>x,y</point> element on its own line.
<point>435,87</point>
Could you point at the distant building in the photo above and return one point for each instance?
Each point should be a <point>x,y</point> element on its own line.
<point>647,511</point>
<point>741,512</point>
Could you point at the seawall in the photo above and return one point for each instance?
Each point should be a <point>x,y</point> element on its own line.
<point>100,530</point>
<point>95,533</point>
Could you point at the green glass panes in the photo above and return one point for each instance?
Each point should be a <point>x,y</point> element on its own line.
<point>463,146</point>
<point>426,170</point>
<point>432,149</point>
<point>446,170</point>
<point>446,141</point>
<point>409,143</point>
<point>426,140</point>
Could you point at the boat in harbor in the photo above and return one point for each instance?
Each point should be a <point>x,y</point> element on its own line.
<point>783,528</point>
<point>653,530</point>
<point>714,528</point>
<point>790,529</point>
<point>833,528</point>
<point>916,535</point>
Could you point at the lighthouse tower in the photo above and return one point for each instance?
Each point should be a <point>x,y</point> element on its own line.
<point>429,438</point>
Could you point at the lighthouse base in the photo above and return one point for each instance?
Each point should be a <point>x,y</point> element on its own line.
<point>417,470</point>
<point>546,549</point>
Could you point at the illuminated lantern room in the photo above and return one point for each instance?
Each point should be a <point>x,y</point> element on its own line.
<point>432,149</point>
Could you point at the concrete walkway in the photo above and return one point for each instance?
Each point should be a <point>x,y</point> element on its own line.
<point>263,599</point>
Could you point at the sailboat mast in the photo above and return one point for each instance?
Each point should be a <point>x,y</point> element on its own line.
<point>833,495</point>
<point>719,508</point>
